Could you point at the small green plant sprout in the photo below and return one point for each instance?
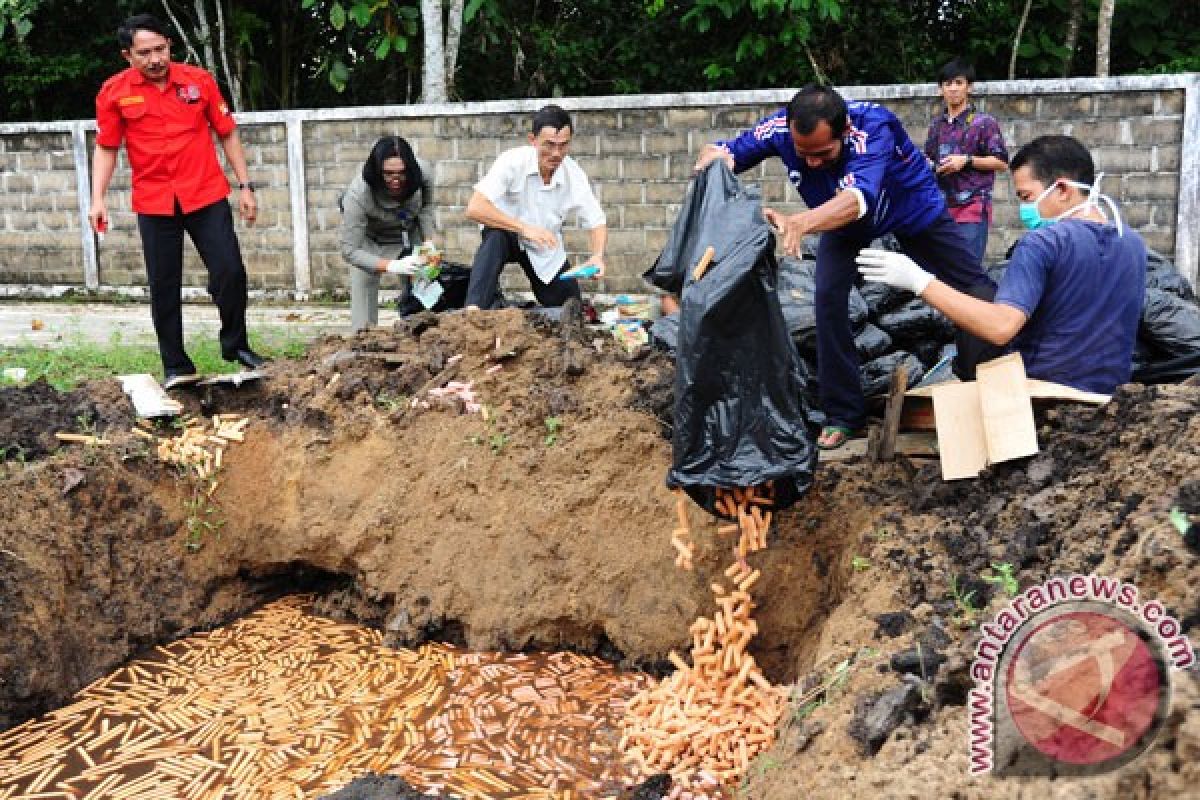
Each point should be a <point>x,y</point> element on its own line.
<point>497,442</point>
<point>203,518</point>
<point>823,692</point>
<point>860,563</point>
<point>14,452</point>
<point>1003,577</point>
<point>390,402</point>
<point>966,611</point>
<point>880,535</point>
<point>553,428</point>
<point>1180,520</point>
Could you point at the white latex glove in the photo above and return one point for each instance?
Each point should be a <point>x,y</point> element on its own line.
<point>405,266</point>
<point>894,269</point>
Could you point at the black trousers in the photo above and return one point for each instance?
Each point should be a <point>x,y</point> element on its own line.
<point>499,248</point>
<point>942,249</point>
<point>211,231</point>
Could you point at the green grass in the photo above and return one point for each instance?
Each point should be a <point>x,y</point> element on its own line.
<point>79,360</point>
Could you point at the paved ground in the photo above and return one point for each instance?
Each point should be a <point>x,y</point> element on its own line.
<point>66,323</point>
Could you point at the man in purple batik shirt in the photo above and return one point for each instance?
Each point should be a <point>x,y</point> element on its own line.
<point>966,149</point>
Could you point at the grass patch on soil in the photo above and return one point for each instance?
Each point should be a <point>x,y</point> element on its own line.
<point>79,360</point>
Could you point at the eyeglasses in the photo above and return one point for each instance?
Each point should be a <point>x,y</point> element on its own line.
<point>393,175</point>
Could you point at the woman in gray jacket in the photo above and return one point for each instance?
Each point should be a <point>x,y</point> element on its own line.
<point>386,212</point>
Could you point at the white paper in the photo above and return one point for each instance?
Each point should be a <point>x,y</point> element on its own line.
<point>149,399</point>
<point>428,292</point>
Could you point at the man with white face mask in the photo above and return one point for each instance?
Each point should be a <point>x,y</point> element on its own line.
<point>1072,296</point>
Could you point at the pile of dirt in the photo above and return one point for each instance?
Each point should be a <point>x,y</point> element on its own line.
<point>525,508</point>
<point>897,652</point>
<point>30,416</point>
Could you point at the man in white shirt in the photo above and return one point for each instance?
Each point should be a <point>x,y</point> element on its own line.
<point>522,203</point>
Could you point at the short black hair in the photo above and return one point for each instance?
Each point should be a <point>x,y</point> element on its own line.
<point>813,105</point>
<point>957,68</point>
<point>551,116</point>
<point>1056,156</point>
<point>393,147</point>
<point>140,22</point>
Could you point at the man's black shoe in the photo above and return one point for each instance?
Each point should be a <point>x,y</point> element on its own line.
<point>247,358</point>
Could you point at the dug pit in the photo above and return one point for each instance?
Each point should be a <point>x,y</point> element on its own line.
<point>533,519</point>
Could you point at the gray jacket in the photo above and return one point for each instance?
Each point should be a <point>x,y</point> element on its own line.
<point>374,226</point>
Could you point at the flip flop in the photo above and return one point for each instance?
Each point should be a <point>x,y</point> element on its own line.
<point>834,436</point>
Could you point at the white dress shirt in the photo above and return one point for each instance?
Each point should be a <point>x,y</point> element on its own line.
<point>515,186</point>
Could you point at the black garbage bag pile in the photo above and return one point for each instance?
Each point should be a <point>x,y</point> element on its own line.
<point>891,326</point>
<point>740,415</point>
<point>1168,343</point>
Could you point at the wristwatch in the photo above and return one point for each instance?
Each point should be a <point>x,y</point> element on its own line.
<point>250,184</point>
<point>969,161</point>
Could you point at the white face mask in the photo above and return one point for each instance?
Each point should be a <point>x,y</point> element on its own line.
<point>1092,201</point>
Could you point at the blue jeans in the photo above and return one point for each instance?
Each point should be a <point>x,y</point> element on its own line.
<point>941,249</point>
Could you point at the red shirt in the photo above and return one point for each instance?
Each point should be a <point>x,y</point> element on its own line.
<point>167,137</point>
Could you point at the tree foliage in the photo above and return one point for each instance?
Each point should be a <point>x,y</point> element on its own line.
<point>54,54</point>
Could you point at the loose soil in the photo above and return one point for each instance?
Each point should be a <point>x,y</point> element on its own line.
<point>514,532</point>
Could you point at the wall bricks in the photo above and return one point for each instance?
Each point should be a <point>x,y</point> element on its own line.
<point>452,172</point>
<point>1065,106</point>
<point>1155,131</point>
<point>1156,186</point>
<point>1127,104</point>
<point>628,145</point>
<point>429,148</point>
<point>1122,159</point>
<point>642,121</point>
<point>639,216</point>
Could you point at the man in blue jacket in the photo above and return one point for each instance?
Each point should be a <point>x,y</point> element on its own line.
<point>861,177</point>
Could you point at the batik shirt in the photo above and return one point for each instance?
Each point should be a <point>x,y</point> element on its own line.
<point>969,191</point>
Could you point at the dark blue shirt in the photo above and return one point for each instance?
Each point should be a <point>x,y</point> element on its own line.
<point>1082,287</point>
<point>878,159</point>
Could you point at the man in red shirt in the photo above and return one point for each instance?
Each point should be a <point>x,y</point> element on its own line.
<point>163,112</point>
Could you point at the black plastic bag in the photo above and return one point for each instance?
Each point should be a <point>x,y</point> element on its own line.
<point>1162,274</point>
<point>740,417</point>
<point>1170,323</point>
<point>664,333</point>
<point>882,298</point>
<point>454,278</point>
<point>915,320</point>
<point>877,375</point>
<point>797,288</point>
<point>872,342</point>
<point>1172,370</point>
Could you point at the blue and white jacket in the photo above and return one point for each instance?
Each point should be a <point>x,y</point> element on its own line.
<point>896,190</point>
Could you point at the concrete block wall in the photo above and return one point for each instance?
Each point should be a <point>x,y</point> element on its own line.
<point>1144,133</point>
<point>39,210</point>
